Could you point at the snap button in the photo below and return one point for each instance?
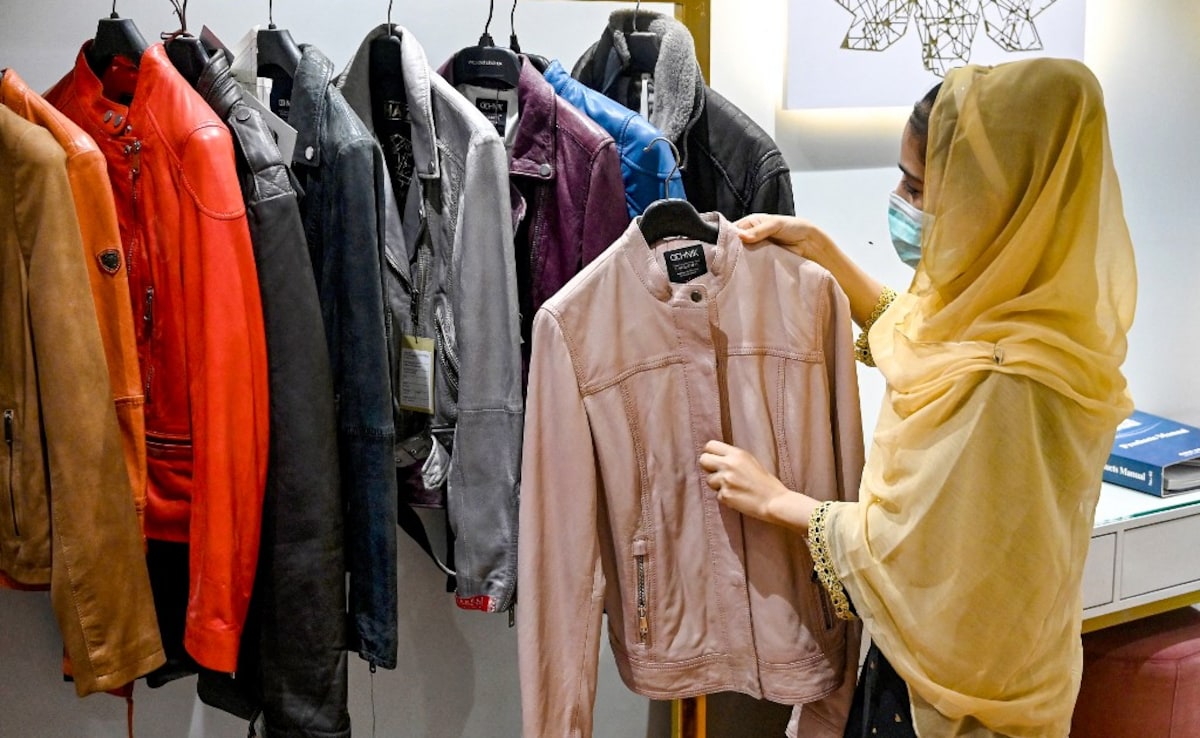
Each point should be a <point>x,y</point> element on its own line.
<point>117,123</point>
<point>308,153</point>
<point>242,115</point>
<point>544,170</point>
<point>696,296</point>
<point>108,116</point>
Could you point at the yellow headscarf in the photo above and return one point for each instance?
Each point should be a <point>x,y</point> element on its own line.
<point>965,553</point>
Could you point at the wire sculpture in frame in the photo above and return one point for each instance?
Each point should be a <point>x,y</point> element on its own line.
<point>889,47</point>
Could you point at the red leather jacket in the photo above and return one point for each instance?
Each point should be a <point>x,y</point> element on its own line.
<point>199,328</point>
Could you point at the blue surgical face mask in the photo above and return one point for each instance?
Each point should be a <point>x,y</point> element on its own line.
<point>905,222</point>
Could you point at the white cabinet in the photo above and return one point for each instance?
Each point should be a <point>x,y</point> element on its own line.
<point>1144,550</point>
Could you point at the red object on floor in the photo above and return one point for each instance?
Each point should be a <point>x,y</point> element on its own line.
<point>1141,679</point>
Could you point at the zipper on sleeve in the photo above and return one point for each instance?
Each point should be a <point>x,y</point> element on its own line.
<point>643,614</point>
<point>9,416</point>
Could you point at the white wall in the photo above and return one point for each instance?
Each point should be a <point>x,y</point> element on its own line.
<point>458,670</point>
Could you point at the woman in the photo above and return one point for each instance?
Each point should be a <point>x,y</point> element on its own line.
<point>964,554</point>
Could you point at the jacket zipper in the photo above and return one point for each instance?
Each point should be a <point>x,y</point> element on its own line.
<point>148,326</point>
<point>12,460</point>
<point>446,356</point>
<point>820,588</point>
<point>643,616</point>
<point>134,152</point>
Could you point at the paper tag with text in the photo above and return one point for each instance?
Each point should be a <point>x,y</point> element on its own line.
<point>416,374</point>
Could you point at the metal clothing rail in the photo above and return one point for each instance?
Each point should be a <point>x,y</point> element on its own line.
<point>688,716</point>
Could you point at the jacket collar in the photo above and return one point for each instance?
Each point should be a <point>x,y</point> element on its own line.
<point>722,258</point>
<point>534,146</point>
<point>678,82</point>
<point>535,142</point>
<point>217,85</point>
<point>309,96</point>
<point>355,84</point>
<point>104,117</point>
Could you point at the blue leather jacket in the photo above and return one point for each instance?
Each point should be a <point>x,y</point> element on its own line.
<point>642,171</point>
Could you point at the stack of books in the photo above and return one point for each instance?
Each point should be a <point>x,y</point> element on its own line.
<point>1155,455</point>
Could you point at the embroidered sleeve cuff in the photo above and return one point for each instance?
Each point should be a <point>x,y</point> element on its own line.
<point>862,349</point>
<point>823,563</point>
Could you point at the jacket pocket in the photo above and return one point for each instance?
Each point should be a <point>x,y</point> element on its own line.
<point>641,594</point>
<point>11,459</point>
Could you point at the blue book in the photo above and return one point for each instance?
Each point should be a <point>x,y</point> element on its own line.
<point>1155,455</point>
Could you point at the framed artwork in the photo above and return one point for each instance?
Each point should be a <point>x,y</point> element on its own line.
<point>884,53</point>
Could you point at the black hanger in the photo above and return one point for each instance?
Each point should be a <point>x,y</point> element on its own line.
<point>278,54</point>
<point>539,62</point>
<point>384,58</point>
<point>115,36</point>
<point>185,51</point>
<point>672,217</point>
<point>643,46</point>
<point>487,65</point>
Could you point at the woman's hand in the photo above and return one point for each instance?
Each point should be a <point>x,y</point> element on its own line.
<point>795,234</point>
<point>744,485</point>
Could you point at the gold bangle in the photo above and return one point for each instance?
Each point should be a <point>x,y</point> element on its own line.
<point>862,349</point>
<point>818,545</point>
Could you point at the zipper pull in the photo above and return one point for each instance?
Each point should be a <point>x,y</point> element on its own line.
<point>643,624</point>
<point>148,310</point>
<point>137,158</point>
<point>8,428</point>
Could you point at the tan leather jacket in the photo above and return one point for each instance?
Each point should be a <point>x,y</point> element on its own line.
<point>62,467</point>
<point>107,275</point>
<point>631,375</point>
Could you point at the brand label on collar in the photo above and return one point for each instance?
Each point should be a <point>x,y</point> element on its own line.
<point>396,110</point>
<point>684,265</point>
<point>496,111</point>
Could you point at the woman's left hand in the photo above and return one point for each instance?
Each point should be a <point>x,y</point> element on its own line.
<point>740,480</point>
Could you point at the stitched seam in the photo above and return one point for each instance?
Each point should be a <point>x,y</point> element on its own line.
<point>650,364</point>
<point>785,471</point>
<point>805,356</point>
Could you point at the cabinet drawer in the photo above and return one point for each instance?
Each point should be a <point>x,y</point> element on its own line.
<point>1160,556</point>
<point>1099,571</point>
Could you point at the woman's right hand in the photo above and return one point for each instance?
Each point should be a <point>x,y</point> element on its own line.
<point>796,234</point>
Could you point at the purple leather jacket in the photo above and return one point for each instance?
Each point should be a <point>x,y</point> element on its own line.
<point>568,198</point>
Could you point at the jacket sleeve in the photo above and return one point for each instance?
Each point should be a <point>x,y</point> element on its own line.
<point>562,582</point>
<point>606,216</point>
<point>482,487</point>
<point>828,715</point>
<point>774,191</point>
<point>362,384</point>
<point>99,585</point>
<point>227,375</point>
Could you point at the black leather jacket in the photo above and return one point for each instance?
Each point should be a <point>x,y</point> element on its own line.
<point>292,663</point>
<point>730,164</point>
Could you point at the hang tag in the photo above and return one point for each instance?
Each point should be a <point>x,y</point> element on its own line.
<point>647,101</point>
<point>684,265</point>
<point>416,374</point>
<point>496,111</point>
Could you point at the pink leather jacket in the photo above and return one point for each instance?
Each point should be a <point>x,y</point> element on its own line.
<point>631,374</point>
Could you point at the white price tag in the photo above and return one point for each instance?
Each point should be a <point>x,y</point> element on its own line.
<point>416,374</point>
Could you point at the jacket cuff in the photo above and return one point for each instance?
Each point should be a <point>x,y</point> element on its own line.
<point>213,649</point>
<point>818,544</point>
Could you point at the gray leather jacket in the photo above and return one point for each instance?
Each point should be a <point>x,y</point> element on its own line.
<point>450,278</point>
<point>292,664</point>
